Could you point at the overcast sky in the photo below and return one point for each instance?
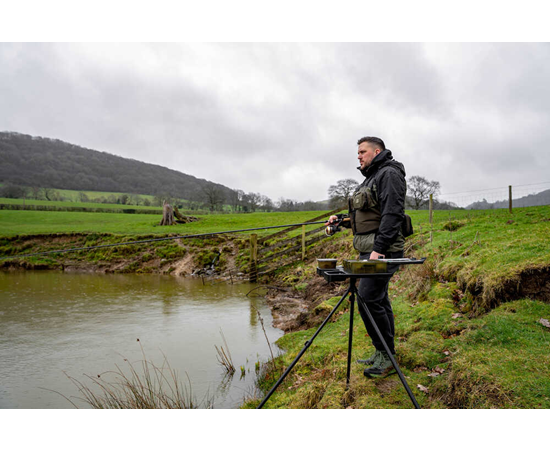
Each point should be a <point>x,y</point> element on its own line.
<point>284,119</point>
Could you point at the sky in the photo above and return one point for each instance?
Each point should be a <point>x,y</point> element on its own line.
<point>284,119</point>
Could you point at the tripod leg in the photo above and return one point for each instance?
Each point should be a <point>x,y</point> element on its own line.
<point>352,303</point>
<point>365,308</point>
<point>306,346</point>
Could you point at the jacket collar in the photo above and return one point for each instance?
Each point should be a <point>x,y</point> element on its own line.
<point>379,160</point>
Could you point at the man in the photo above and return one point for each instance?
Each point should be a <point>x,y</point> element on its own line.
<point>377,211</point>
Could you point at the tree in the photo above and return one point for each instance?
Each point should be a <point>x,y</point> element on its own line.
<point>420,189</point>
<point>213,195</point>
<point>235,199</point>
<point>254,200</point>
<point>267,203</point>
<point>338,193</point>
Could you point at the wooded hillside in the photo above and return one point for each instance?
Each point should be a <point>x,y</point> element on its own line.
<point>37,161</point>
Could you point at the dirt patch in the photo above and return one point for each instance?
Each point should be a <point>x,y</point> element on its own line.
<point>535,284</point>
<point>293,310</point>
<point>184,266</point>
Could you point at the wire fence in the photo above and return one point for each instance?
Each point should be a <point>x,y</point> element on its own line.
<point>536,194</point>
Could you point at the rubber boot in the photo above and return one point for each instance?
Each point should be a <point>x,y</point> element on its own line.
<point>369,361</point>
<point>382,367</point>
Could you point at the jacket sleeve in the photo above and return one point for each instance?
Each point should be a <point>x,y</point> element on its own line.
<point>391,197</point>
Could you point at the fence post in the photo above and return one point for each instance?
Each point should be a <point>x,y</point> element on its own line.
<point>510,199</point>
<point>431,217</point>
<point>253,258</point>
<point>431,208</point>
<point>303,242</point>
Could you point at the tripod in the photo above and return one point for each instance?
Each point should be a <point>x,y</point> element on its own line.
<point>340,275</point>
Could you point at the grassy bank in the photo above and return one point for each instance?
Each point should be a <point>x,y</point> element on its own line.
<point>24,232</point>
<point>468,322</point>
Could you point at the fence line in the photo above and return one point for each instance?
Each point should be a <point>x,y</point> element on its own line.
<point>534,194</point>
<point>296,251</point>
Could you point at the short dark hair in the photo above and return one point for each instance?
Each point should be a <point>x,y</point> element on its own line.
<point>377,142</point>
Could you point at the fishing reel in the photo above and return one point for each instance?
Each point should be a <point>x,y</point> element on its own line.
<point>334,227</point>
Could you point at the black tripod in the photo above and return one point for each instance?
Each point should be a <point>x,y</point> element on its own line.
<point>340,275</point>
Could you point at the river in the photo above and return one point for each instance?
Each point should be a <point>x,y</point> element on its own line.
<point>54,323</point>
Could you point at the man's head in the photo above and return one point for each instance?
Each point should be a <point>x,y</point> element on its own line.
<point>369,147</point>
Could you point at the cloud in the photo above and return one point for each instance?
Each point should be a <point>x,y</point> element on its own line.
<point>283,119</point>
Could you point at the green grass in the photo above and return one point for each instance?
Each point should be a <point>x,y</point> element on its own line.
<point>489,252</point>
<point>74,196</point>
<point>464,315</point>
<point>467,351</point>
<point>14,223</point>
<point>66,203</point>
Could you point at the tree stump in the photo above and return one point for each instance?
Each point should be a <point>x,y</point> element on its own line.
<point>167,215</point>
<point>180,218</point>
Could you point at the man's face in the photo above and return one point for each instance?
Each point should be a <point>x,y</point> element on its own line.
<point>366,153</point>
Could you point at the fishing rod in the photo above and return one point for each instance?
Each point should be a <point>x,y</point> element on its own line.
<point>186,236</point>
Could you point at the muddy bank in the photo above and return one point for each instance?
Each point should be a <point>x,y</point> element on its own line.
<point>218,258</point>
<point>294,309</point>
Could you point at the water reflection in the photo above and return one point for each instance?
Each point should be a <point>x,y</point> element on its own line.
<point>52,322</point>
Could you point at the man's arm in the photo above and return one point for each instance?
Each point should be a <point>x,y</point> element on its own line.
<point>391,197</point>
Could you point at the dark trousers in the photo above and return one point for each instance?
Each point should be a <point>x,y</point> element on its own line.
<point>373,294</point>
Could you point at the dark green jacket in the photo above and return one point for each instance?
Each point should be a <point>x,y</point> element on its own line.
<point>386,178</point>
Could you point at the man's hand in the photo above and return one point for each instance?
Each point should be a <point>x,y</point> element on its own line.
<point>332,219</point>
<point>375,255</point>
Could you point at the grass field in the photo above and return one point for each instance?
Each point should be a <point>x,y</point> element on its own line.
<point>14,223</point>
<point>74,196</point>
<point>19,201</point>
<point>468,321</point>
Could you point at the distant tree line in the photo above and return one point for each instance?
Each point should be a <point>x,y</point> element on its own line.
<point>212,199</point>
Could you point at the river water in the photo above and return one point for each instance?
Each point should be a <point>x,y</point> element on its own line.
<point>54,323</point>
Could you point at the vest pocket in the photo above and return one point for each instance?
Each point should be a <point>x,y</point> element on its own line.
<point>363,243</point>
<point>364,199</point>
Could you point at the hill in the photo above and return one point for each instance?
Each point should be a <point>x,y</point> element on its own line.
<point>539,199</point>
<point>44,162</point>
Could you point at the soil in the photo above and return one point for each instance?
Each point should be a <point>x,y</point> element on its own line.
<point>293,310</point>
<point>533,283</point>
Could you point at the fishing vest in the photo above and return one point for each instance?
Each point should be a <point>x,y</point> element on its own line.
<point>364,209</point>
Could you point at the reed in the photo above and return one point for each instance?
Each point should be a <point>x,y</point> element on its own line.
<point>224,356</point>
<point>146,386</point>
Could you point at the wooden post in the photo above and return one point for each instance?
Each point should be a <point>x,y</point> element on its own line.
<point>254,257</point>
<point>431,218</point>
<point>431,208</point>
<point>303,242</point>
<point>510,199</point>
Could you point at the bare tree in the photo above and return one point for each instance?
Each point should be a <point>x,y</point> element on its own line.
<point>338,193</point>
<point>213,195</point>
<point>267,203</point>
<point>254,200</point>
<point>420,189</point>
<point>235,199</point>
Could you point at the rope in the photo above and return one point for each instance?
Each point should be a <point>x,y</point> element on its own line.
<point>187,236</point>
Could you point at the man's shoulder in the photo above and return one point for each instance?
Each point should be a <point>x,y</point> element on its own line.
<point>394,170</point>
